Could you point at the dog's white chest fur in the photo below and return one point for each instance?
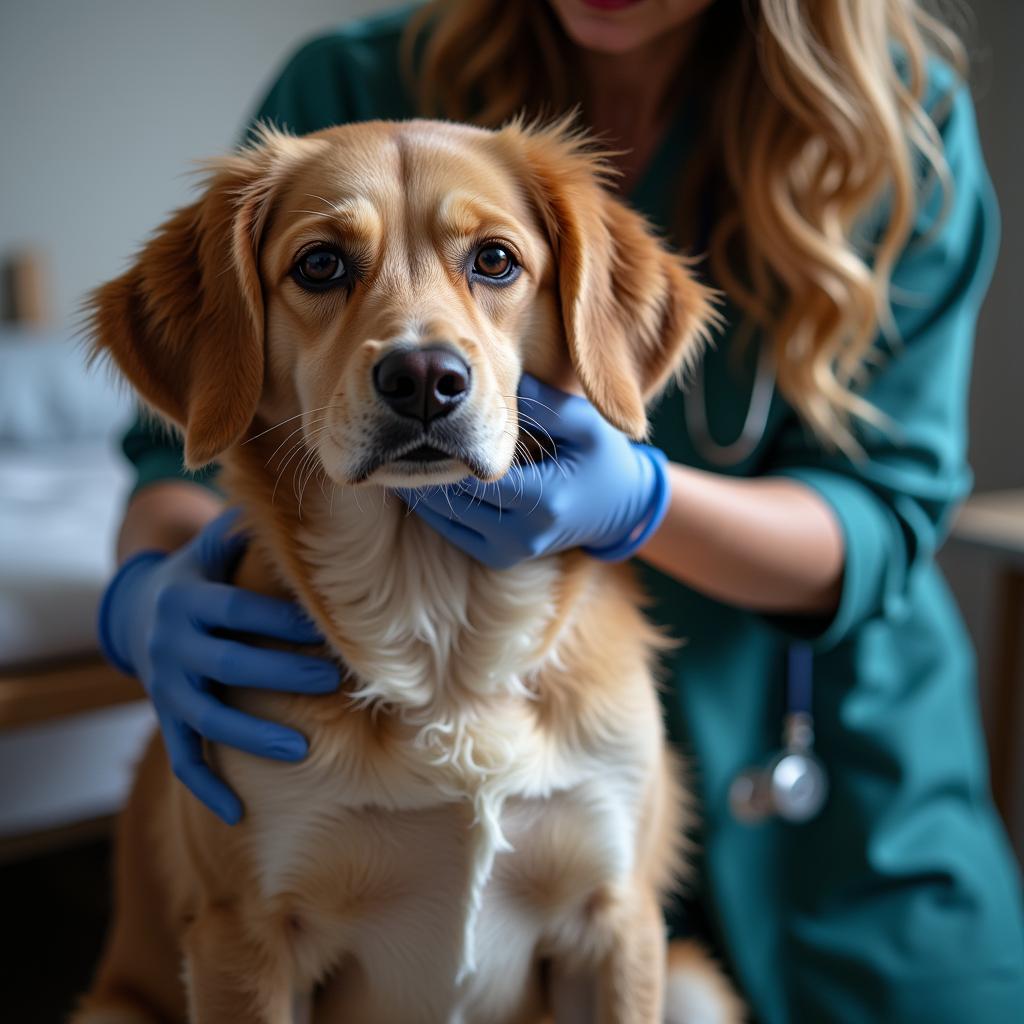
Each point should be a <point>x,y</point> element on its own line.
<point>392,884</point>
<point>433,838</point>
<point>437,638</point>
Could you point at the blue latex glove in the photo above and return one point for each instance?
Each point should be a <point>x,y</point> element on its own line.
<point>601,491</point>
<point>156,622</point>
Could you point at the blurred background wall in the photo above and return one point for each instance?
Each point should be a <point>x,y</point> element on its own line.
<point>105,103</point>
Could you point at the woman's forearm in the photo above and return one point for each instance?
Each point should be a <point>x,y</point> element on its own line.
<point>166,515</point>
<point>768,544</point>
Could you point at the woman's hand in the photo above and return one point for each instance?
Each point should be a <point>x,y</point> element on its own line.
<point>156,622</point>
<point>599,491</point>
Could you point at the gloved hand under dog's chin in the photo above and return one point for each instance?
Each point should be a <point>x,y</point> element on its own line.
<point>599,491</point>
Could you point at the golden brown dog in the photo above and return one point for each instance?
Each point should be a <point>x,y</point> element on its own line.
<point>488,818</point>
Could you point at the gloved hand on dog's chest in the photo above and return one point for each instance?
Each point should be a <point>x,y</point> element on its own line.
<point>156,622</point>
<point>601,491</point>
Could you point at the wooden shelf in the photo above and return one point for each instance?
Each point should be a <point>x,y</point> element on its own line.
<point>35,694</point>
<point>994,521</point>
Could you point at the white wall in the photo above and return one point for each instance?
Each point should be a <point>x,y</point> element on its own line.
<point>104,104</point>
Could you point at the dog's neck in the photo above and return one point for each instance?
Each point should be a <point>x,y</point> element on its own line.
<point>419,624</point>
<point>421,621</point>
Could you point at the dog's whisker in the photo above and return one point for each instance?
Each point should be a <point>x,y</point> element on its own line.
<point>296,472</point>
<point>296,448</point>
<point>274,454</point>
<point>305,469</point>
<point>298,430</point>
<point>534,401</point>
<point>476,495</point>
<point>540,498</point>
<point>326,202</point>
<point>313,433</point>
<point>316,213</point>
<point>451,508</point>
<point>521,450</point>
<point>548,454</point>
<point>520,476</point>
<point>311,462</point>
<point>558,465</point>
<point>530,421</point>
<point>310,475</point>
<point>500,509</point>
<point>277,483</point>
<point>313,436</point>
<point>526,422</point>
<point>419,495</point>
<point>516,469</point>
<point>306,412</point>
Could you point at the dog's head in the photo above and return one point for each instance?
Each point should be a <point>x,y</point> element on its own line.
<point>380,288</point>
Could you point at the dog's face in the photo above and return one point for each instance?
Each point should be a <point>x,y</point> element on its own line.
<point>381,287</point>
<point>404,277</point>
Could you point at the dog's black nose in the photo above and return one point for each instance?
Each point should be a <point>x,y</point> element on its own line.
<point>422,383</point>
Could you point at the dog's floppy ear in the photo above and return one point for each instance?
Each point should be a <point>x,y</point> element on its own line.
<point>632,311</point>
<point>185,323</point>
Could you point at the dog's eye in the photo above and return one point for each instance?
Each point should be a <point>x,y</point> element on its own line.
<point>495,262</point>
<point>320,268</point>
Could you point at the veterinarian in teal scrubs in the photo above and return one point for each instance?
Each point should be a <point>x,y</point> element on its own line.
<point>900,900</point>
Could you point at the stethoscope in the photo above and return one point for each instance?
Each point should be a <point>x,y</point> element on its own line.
<point>792,785</point>
<point>754,424</point>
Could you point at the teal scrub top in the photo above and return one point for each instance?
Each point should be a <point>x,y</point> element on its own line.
<point>901,901</point>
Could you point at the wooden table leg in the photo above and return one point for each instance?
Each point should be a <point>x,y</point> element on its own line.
<point>1008,686</point>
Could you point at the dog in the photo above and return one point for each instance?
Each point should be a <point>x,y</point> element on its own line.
<point>488,820</point>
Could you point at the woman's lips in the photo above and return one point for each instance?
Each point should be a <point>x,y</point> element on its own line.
<point>609,5</point>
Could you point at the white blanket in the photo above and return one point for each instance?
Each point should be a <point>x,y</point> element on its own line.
<point>63,484</point>
<point>60,507</point>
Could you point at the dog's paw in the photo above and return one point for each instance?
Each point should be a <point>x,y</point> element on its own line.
<point>696,989</point>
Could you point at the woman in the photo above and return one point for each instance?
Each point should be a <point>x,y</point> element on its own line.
<point>829,166</point>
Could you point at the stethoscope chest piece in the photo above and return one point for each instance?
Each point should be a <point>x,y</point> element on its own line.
<point>793,785</point>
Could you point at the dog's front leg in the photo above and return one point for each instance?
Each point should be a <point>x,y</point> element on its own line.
<point>626,983</point>
<point>232,978</point>
<point>631,981</point>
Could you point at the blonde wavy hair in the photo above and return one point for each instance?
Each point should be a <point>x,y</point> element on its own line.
<point>817,116</point>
